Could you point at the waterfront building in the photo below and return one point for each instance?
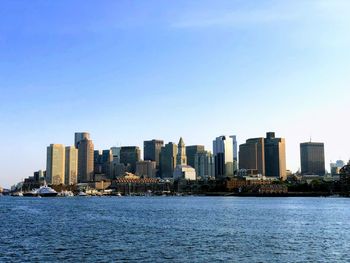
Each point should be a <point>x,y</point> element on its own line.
<point>223,156</point>
<point>312,158</point>
<point>182,170</point>
<point>107,158</point>
<point>146,169</point>
<point>97,162</point>
<point>234,152</point>
<point>71,166</point>
<point>39,175</point>
<point>204,165</point>
<point>275,156</point>
<point>168,160</point>
<point>191,152</point>
<point>181,158</point>
<point>151,150</point>
<point>119,169</point>
<point>55,164</point>
<point>130,155</point>
<point>335,167</point>
<point>79,136</point>
<point>252,155</point>
<point>103,163</point>
<point>345,179</point>
<point>85,161</point>
<point>116,154</point>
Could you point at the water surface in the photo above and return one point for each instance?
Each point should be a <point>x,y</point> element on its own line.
<point>174,229</point>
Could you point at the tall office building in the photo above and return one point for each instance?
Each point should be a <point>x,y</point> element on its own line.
<point>275,156</point>
<point>191,152</point>
<point>204,165</point>
<point>168,156</point>
<point>252,155</point>
<point>312,158</point>
<point>151,150</point>
<point>55,164</point>
<point>234,152</point>
<point>130,155</point>
<point>85,161</point>
<point>103,162</point>
<point>39,175</point>
<point>79,136</point>
<point>223,155</point>
<point>146,169</point>
<point>116,154</point>
<point>181,158</point>
<point>107,158</point>
<point>97,162</point>
<point>71,167</point>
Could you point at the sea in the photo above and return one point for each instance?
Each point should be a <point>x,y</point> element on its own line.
<point>174,229</point>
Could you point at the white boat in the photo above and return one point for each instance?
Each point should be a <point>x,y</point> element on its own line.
<point>46,191</point>
<point>31,193</point>
<point>82,194</point>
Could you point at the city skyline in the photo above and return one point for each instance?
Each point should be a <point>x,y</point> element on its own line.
<point>85,136</point>
<point>133,72</point>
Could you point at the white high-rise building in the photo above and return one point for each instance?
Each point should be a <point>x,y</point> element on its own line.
<point>223,155</point>
<point>55,164</point>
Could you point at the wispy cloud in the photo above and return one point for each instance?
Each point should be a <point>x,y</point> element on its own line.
<point>286,11</point>
<point>231,18</point>
<point>322,23</point>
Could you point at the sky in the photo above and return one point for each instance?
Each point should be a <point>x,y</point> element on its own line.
<point>129,71</point>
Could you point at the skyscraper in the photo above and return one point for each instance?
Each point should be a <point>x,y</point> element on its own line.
<point>275,156</point>
<point>85,161</point>
<point>223,155</point>
<point>252,155</point>
<point>191,152</point>
<point>71,167</point>
<point>97,162</point>
<point>79,136</point>
<point>130,155</point>
<point>168,156</point>
<point>234,152</point>
<point>103,163</point>
<point>204,164</point>
<point>312,158</point>
<point>55,164</point>
<point>107,158</point>
<point>151,150</point>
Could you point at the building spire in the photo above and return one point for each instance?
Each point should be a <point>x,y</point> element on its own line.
<point>181,158</point>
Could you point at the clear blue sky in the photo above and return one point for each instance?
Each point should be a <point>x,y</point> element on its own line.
<point>132,70</point>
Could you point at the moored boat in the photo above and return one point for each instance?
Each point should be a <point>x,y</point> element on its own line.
<point>46,191</point>
<point>82,194</point>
